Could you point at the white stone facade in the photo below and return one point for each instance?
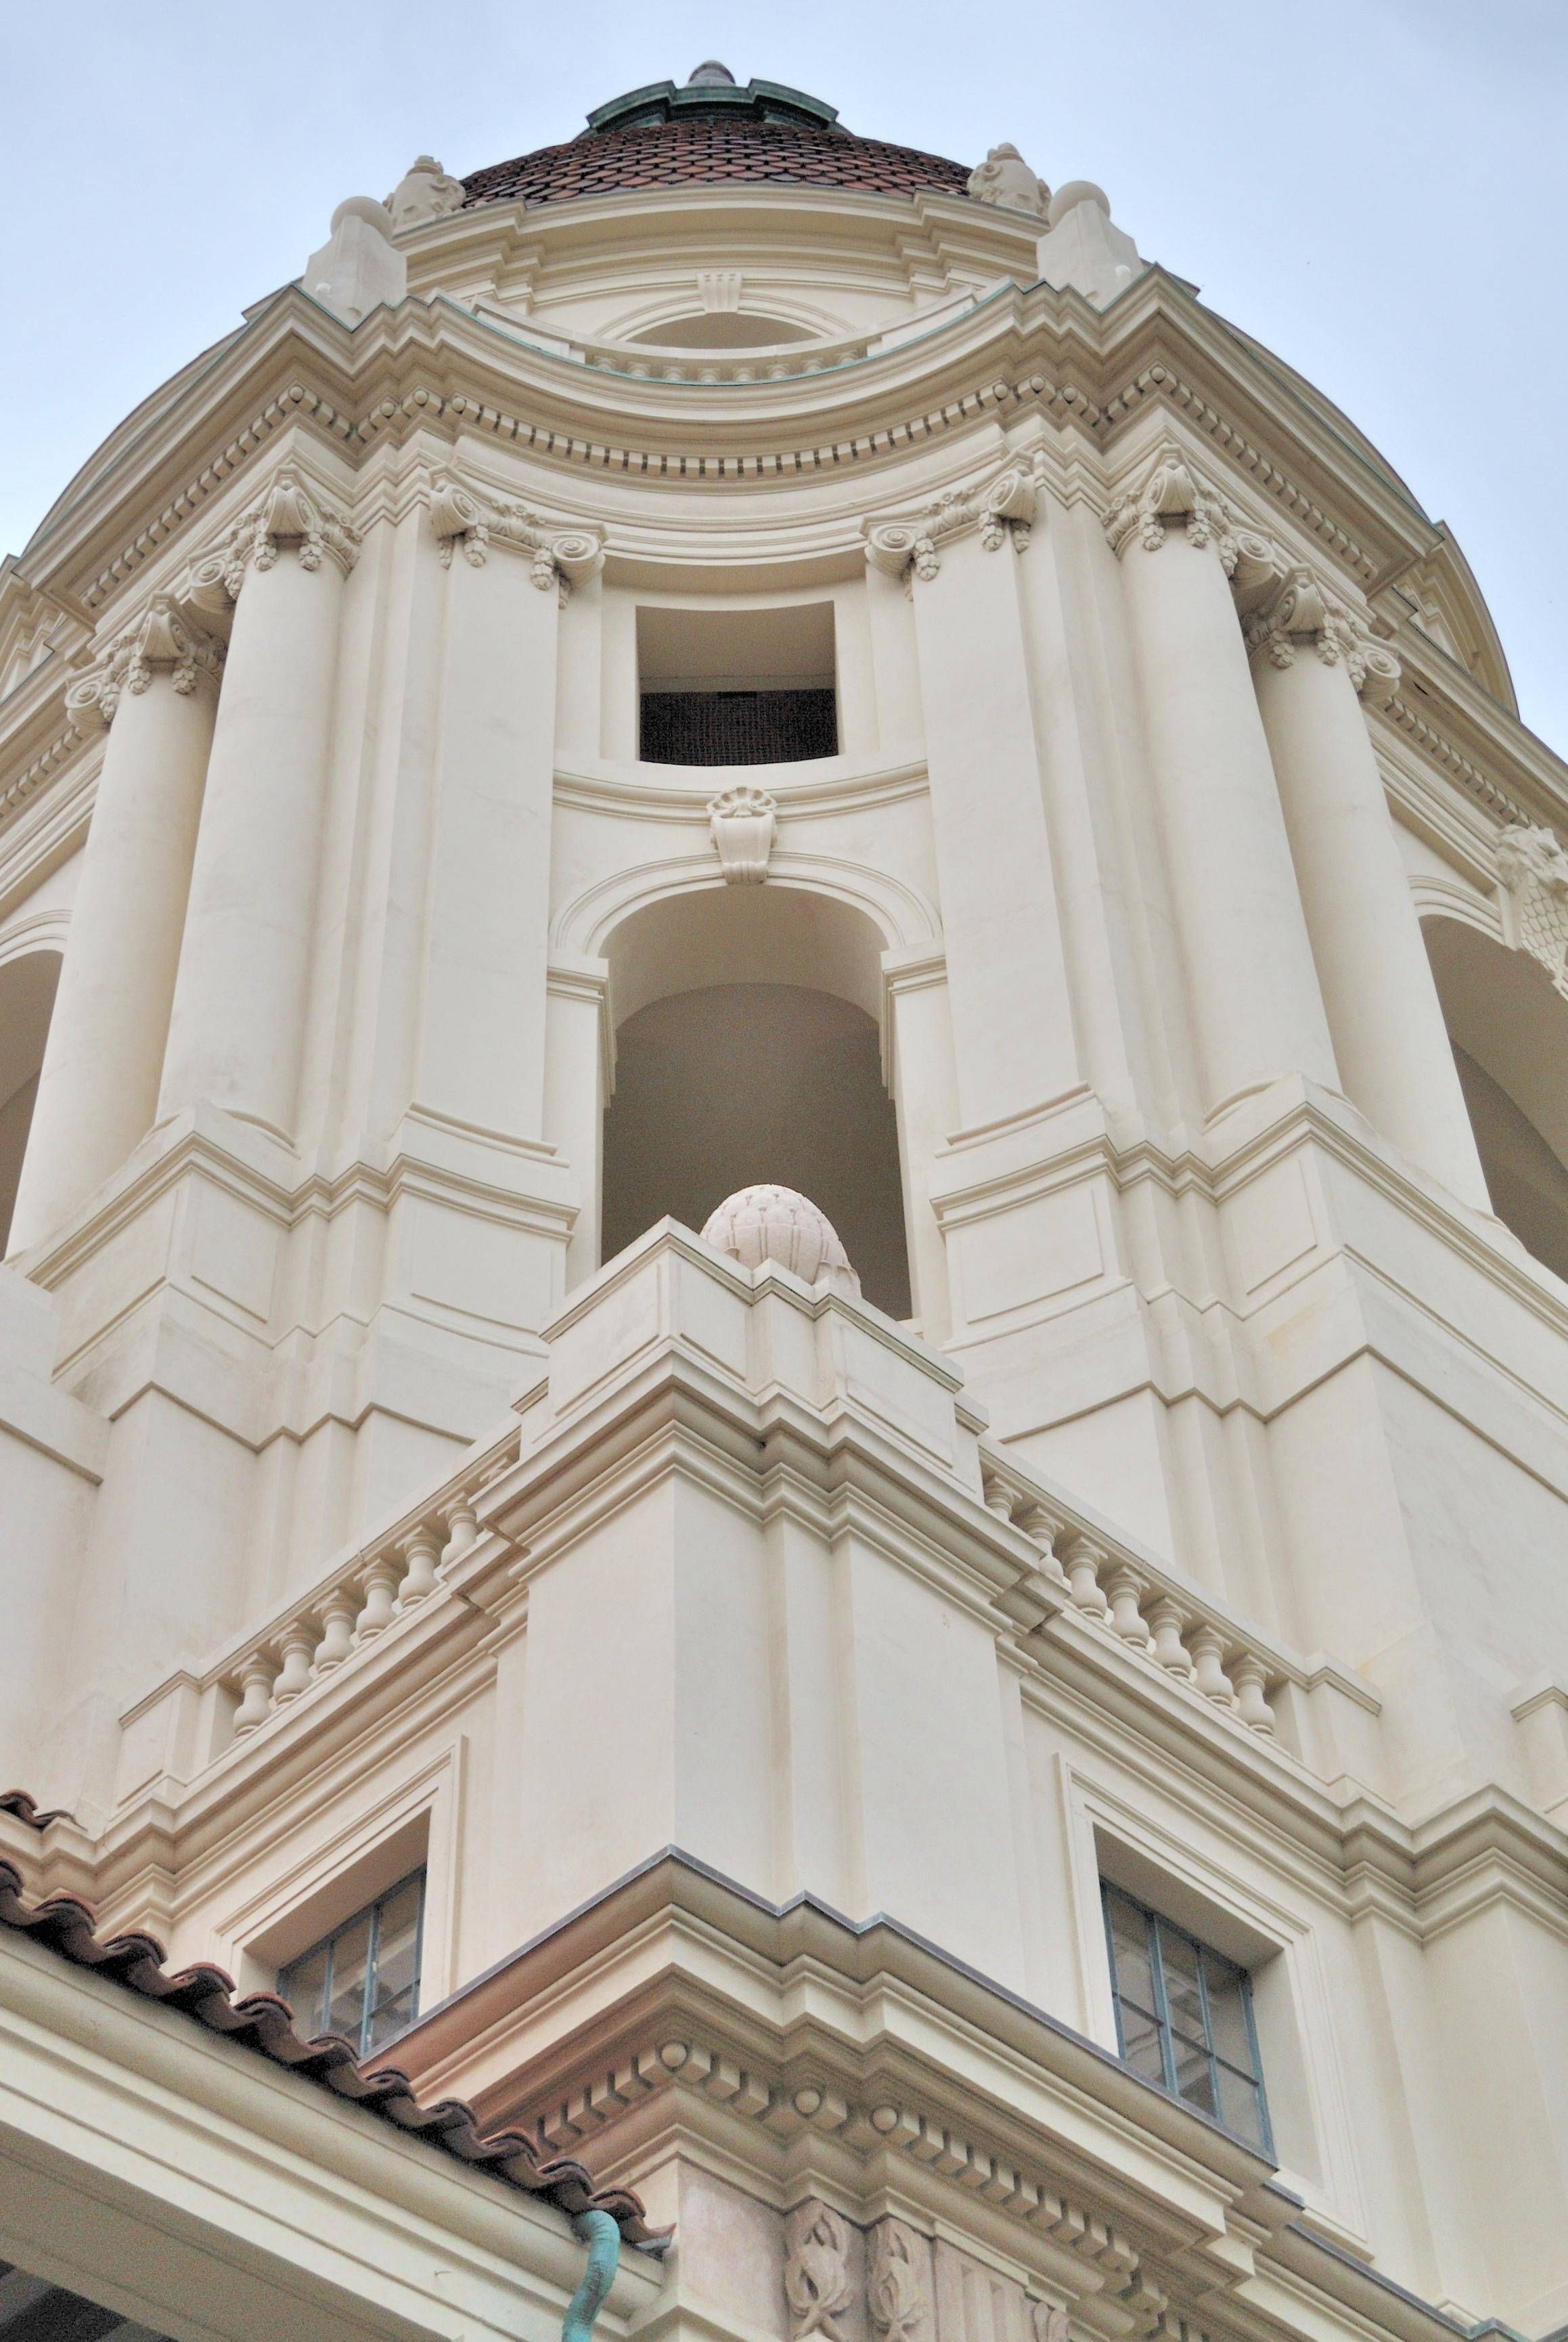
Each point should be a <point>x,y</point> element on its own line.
<point>766,1679</point>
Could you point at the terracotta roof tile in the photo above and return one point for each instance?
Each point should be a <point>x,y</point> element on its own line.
<point>17,1802</point>
<point>260,2021</point>
<point>710,153</point>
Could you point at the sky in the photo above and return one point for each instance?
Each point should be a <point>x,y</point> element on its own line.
<point>1376,189</point>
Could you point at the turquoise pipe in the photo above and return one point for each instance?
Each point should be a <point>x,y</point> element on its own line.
<point>603,2238</point>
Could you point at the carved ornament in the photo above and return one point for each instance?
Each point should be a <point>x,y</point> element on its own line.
<point>293,513</point>
<point>896,2289</point>
<point>162,641</point>
<point>816,2272</point>
<point>1533,874</point>
<point>1299,611</point>
<point>1171,492</point>
<point>424,191</point>
<point>559,558</point>
<point>1004,508</point>
<point>742,823</point>
<point>1005,179</point>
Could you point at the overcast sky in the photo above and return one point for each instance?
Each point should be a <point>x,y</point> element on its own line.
<point>1377,189</point>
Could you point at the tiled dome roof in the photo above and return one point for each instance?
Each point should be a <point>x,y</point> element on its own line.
<point>712,135</point>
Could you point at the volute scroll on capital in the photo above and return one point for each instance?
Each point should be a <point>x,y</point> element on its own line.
<point>1298,610</point>
<point>294,514</point>
<point>163,640</point>
<point>559,558</point>
<point>1002,509</point>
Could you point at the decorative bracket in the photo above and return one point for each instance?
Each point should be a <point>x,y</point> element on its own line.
<point>559,558</point>
<point>744,823</point>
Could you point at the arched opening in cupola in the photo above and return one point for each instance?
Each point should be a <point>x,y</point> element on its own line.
<point>1509,1028</point>
<point>722,329</point>
<point>27,987</point>
<point>748,1049</point>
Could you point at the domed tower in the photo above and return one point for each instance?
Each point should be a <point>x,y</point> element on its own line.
<point>987,1736</point>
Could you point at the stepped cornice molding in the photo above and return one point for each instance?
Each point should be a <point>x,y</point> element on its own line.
<point>1040,344</point>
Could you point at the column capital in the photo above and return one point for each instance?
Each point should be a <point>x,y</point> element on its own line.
<point>1300,610</point>
<point>1172,491</point>
<point>1000,508</point>
<point>462,514</point>
<point>163,640</point>
<point>293,512</point>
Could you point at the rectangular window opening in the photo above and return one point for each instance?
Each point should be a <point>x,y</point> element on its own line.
<point>737,686</point>
<point>362,1981</point>
<point>1184,2017</point>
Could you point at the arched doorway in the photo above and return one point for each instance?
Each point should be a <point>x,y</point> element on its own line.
<point>27,987</point>
<point>748,1048</point>
<point>1509,1027</point>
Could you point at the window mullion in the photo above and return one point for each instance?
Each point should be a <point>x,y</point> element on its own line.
<point>372,1961</point>
<point>1209,2030</point>
<point>1162,2005</point>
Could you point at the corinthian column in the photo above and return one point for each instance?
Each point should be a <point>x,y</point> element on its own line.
<point>236,1032</point>
<point>1310,660</point>
<point>1256,1009</point>
<point>155,692</point>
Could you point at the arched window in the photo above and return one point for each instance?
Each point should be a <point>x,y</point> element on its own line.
<point>27,986</point>
<point>748,1049</point>
<point>1509,1028</point>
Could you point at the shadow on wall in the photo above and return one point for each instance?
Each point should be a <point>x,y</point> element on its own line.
<point>1509,1028</point>
<point>27,987</point>
<point>735,1083</point>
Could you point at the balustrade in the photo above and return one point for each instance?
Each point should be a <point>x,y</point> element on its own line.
<point>1135,1605</point>
<point>373,1590</point>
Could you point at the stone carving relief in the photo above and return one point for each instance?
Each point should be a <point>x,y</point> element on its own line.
<point>424,191</point>
<point>559,558</point>
<point>1532,872</point>
<point>1005,179</point>
<point>897,2290</point>
<point>162,639</point>
<point>1005,508</point>
<point>816,2279</point>
<point>742,823</point>
<point>292,512</point>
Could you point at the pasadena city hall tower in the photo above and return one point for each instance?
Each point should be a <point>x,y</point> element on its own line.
<point>784,1368</point>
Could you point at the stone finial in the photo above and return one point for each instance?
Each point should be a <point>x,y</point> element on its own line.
<point>1083,248</point>
<point>1005,179</point>
<point>709,75</point>
<point>761,1223</point>
<point>358,267</point>
<point>424,191</point>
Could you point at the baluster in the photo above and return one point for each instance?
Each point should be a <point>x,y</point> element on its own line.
<point>256,1675</point>
<point>1207,1647</point>
<point>1122,1591</point>
<point>1250,1676</point>
<point>1165,1621</point>
<point>462,1530</point>
<point>998,1499</point>
<point>338,1613</point>
<point>422,1552</point>
<point>298,1647</point>
<point>1037,1524</point>
<point>1081,1562</point>
<point>380,1587</point>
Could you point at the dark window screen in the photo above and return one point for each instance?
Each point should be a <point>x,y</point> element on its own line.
<point>738,727</point>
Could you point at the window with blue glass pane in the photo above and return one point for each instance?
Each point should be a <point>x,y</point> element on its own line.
<point>1184,2017</point>
<point>362,1980</point>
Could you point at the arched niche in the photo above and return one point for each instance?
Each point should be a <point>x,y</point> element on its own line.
<point>748,1048</point>
<point>1509,1027</point>
<point>27,987</point>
